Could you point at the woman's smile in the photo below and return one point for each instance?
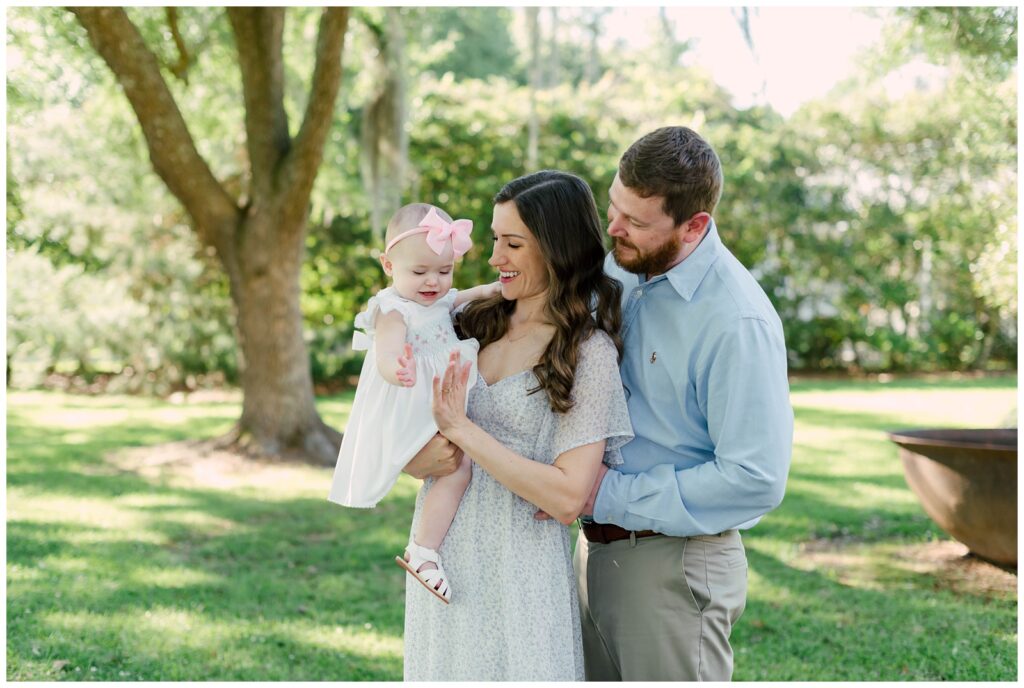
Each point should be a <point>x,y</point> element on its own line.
<point>514,243</point>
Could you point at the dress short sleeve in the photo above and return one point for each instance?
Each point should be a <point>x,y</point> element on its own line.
<point>384,301</point>
<point>599,412</point>
<point>449,299</point>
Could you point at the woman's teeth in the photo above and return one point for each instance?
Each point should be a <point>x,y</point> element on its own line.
<point>508,275</point>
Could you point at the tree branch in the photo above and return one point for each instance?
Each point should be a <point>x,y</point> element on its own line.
<point>171,148</point>
<point>179,68</point>
<point>258,38</point>
<point>303,161</point>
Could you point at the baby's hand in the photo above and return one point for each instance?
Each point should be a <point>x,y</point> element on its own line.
<point>494,289</point>
<point>406,372</point>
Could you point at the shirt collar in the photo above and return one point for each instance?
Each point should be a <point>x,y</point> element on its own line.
<point>687,275</point>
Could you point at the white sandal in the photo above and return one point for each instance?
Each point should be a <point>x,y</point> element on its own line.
<point>434,580</point>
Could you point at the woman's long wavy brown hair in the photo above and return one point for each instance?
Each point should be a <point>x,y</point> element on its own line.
<point>559,209</point>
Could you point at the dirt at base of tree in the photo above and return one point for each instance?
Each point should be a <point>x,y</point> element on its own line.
<point>942,564</point>
<point>204,464</point>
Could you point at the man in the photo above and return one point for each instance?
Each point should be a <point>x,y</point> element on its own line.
<point>661,566</point>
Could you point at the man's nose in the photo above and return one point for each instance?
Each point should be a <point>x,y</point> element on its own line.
<point>616,229</point>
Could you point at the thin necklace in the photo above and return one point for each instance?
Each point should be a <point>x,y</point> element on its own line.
<point>508,334</point>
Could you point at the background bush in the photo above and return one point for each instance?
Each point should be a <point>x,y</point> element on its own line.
<point>882,225</point>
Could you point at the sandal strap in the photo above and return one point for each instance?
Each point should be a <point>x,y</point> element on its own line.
<point>422,554</point>
<point>432,576</point>
<point>436,579</point>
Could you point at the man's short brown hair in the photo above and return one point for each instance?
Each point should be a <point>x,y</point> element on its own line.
<point>678,165</point>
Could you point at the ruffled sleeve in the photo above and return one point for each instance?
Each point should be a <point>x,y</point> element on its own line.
<point>599,412</point>
<point>449,299</point>
<point>385,301</point>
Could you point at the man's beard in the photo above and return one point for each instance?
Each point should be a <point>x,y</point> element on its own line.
<point>651,263</point>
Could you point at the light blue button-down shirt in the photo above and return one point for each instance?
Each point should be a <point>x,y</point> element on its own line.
<point>704,369</point>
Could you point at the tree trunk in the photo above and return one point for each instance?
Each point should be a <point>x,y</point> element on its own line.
<point>278,412</point>
<point>260,244</point>
<point>554,74</point>
<point>593,24</point>
<point>384,141</point>
<point>533,125</point>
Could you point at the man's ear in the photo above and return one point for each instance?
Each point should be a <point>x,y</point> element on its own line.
<point>695,226</point>
<point>385,263</point>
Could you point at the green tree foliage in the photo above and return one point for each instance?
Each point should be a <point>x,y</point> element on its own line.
<point>104,276</point>
<point>985,37</point>
<point>927,225</point>
<point>470,44</point>
<point>881,220</point>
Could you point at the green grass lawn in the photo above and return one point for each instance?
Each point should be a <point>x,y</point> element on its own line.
<point>123,564</point>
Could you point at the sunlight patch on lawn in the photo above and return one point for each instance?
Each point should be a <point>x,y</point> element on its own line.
<point>964,408</point>
<point>24,574</point>
<point>153,501</point>
<point>335,410</point>
<point>850,493</point>
<point>350,640</point>
<point>148,634</point>
<point>197,521</point>
<point>763,588</point>
<point>816,436</point>
<point>829,438</point>
<point>165,577</point>
<point>191,465</point>
<point>87,418</point>
<point>96,512</point>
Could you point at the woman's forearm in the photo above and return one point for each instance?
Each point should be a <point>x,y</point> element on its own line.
<point>561,491</point>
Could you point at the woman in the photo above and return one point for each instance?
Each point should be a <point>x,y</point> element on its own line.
<point>547,407</point>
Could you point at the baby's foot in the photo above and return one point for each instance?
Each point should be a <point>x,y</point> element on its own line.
<point>425,564</point>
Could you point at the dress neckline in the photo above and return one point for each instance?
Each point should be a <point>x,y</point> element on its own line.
<point>500,380</point>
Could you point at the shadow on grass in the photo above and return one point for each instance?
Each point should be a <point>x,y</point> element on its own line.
<point>804,625</point>
<point>803,516</point>
<point>275,566</point>
<point>285,589</point>
<point>213,584</point>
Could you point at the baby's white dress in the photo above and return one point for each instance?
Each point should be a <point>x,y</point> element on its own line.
<point>389,423</point>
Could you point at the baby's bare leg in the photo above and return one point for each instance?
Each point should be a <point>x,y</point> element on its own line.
<point>440,505</point>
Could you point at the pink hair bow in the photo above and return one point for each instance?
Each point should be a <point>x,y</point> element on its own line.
<point>439,231</point>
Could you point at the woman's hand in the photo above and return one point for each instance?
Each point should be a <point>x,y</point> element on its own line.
<point>438,458</point>
<point>449,402</point>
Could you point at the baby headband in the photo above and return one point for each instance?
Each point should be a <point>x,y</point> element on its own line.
<point>438,232</point>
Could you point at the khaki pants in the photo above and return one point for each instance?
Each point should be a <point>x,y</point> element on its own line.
<point>660,608</point>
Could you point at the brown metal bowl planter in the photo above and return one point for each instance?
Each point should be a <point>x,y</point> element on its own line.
<point>966,480</point>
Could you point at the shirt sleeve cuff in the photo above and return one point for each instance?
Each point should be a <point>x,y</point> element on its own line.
<point>608,505</point>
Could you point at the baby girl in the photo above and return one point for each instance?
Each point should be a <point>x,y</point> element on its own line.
<point>408,334</point>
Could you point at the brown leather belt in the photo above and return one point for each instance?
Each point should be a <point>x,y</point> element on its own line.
<point>607,532</point>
